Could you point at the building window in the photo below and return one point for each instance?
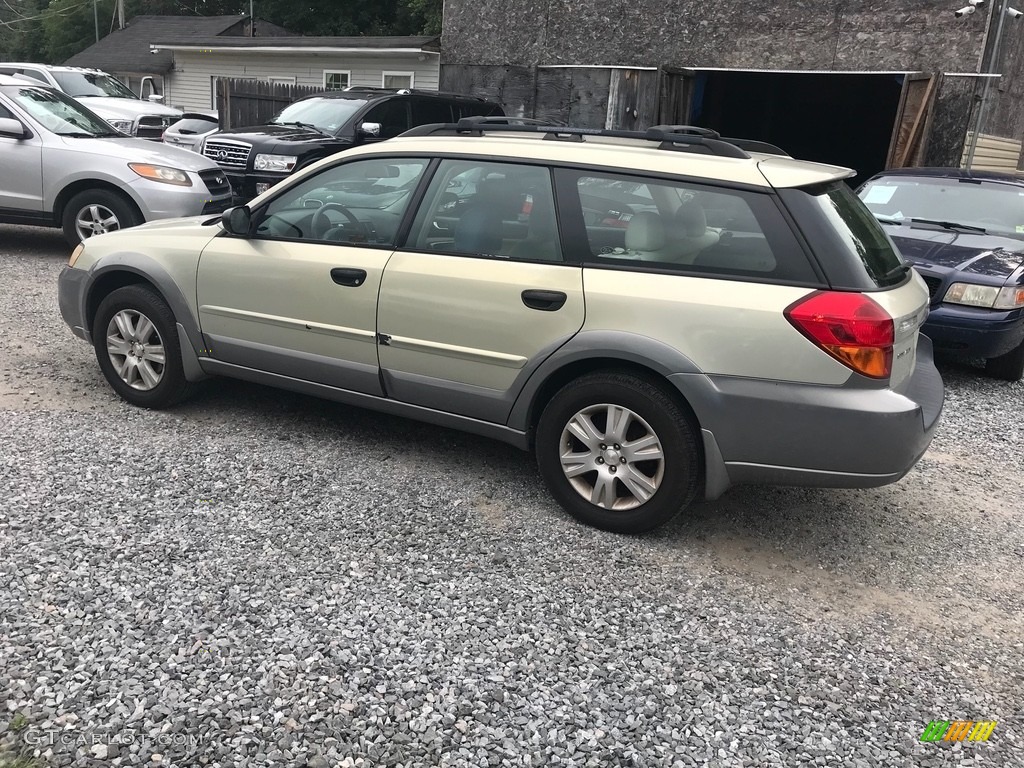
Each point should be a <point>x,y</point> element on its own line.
<point>335,80</point>
<point>397,79</point>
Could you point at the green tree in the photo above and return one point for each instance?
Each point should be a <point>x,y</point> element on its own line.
<point>69,26</point>
<point>21,30</point>
<point>420,17</point>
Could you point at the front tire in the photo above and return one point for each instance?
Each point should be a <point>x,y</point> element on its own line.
<point>618,452</point>
<point>1008,367</point>
<point>136,343</point>
<point>96,212</point>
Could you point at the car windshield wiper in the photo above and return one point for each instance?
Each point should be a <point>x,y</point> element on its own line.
<point>305,125</point>
<point>951,225</point>
<point>947,225</point>
<point>86,135</point>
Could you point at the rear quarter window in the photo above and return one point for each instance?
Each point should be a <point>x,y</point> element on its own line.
<point>848,242</point>
<point>682,226</point>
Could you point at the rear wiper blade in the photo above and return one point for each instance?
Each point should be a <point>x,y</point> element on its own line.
<point>898,271</point>
<point>947,224</point>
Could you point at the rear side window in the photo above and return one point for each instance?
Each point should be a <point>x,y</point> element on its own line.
<point>484,208</point>
<point>684,226</point>
<point>857,230</point>
<point>426,111</point>
<point>393,116</point>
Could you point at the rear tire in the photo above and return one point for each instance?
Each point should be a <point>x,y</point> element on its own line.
<point>619,452</point>
<point>1008,367</point>
<point>95,212</point>
<point>136,342</point>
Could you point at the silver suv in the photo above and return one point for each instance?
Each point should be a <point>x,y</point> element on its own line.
<point>656,315</point>
<point>104,94</point>
<point>64,167</point>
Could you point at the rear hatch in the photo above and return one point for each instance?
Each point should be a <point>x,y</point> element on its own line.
<point>857,256</point>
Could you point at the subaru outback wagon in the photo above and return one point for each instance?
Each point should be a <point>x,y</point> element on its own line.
<point>657,315</point>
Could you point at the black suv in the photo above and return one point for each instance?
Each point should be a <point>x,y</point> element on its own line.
<point>257,157</point>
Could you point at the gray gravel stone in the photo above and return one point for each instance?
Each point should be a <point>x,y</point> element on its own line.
<point>194,590</point>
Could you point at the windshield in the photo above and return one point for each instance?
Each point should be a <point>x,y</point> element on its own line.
<point>327,115</point>
<point>79,84</point>
<point>988,205</point>
<point>57,113</point>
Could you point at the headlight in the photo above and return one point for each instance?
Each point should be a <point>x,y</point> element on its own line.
<point>988,296</point>
<point>124,126</point>
<point>161,173</point>
<point>282,163</point>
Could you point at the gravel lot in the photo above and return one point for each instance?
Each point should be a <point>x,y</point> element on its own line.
<point>263,579</point>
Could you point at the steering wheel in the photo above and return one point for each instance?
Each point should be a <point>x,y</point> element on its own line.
<point>322,224</point>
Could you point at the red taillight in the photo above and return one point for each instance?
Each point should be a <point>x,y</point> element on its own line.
<point>851,327</point>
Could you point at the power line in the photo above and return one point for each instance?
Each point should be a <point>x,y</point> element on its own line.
<point>46,13</point>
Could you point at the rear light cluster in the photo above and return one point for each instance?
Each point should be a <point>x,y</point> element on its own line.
<point>851,327</point>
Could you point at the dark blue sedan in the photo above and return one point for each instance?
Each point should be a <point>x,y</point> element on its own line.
<point>964,232</point>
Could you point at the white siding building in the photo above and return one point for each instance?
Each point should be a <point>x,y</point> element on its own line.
<point>325,62</point>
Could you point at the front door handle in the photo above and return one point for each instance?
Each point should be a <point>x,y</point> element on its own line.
<point>545,301</point>
<point>350,277</point>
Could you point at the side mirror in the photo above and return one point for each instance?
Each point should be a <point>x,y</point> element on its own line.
<point>237,220</point>
<point>12,129</point>
<point>370,129</point>
<point>155,97</point>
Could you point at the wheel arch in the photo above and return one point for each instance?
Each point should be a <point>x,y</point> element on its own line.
<point>597,351</point>
<point>60,202</point>
<point>117,275</point>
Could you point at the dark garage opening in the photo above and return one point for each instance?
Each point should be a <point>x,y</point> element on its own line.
<point>831,118</point>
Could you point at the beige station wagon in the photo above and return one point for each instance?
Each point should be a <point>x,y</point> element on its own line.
<point>657,315</point>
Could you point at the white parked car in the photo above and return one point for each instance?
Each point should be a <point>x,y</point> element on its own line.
<point>105,95</point>
<point>190,130</point>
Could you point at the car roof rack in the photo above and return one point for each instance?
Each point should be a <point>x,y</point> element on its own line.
<point>684,138</point>
<point>408,91</point>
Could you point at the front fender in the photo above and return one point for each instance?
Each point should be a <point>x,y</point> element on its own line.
<point>175,286</point>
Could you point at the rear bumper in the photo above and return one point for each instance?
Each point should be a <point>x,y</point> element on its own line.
<point>973,331</point>
<point>783,433</point>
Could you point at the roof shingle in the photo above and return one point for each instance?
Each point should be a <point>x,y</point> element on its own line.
<point>127,50</point>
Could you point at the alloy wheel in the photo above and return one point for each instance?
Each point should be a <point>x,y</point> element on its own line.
<point>612,457</point>
<point>135,349</point>
<point>95,219</point>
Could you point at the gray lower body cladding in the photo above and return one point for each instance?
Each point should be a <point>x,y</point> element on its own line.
<point>786,433</point>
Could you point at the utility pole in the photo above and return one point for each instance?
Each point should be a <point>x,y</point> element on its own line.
<point>252,21</point>
<point>120,14</point>
<point>1001,8</point>
<point>96,20</point>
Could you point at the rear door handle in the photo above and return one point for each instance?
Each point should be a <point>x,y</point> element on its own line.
<point>545,301</point>
<point>350,277</point>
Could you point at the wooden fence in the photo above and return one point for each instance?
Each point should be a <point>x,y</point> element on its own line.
<point>252,102</point>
